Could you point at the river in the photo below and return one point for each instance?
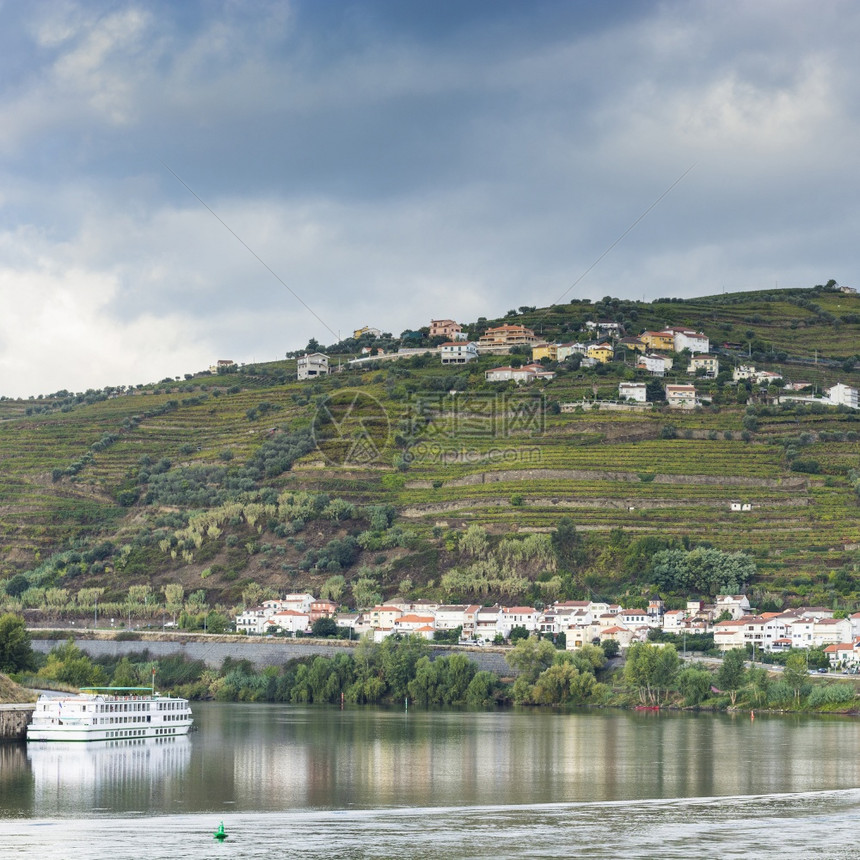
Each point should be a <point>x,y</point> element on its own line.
<point>371,782</point>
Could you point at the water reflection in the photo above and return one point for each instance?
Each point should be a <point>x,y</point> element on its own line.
<point>133,774</point>
<point>265,758</point>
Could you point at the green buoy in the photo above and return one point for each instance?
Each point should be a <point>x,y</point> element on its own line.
<point>219,834</point>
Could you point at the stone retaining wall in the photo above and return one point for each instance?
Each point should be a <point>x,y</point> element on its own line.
<point>260,652</point>
<point>14,720</point>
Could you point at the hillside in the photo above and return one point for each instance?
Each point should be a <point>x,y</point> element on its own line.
<point>375,473</point>
<point>12,693</point>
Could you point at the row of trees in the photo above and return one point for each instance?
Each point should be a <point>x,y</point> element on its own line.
<point>400,668</point>
<point>656,673</point>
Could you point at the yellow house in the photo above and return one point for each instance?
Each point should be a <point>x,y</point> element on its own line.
<point>658,340</point>
<point>545,350</point>
<point>633,343</point>
<point>383,617</point>
<point>602,352</point>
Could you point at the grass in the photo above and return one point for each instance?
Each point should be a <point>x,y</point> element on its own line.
<point>605,470</point>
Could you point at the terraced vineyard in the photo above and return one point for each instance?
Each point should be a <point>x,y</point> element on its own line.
<point>127,468</point>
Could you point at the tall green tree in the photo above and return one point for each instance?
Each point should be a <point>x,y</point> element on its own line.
<point>529,657</point>
<point>567,545</point>
<point>796,674</point>
<point>732,674</point>
<point>16,653</point>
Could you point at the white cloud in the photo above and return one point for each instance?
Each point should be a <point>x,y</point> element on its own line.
<point>390,177</point>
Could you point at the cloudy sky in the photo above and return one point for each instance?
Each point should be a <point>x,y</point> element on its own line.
<point>394,161</point>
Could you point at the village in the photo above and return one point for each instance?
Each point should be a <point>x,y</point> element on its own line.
<point>581,622</point>
<point>651,352</point>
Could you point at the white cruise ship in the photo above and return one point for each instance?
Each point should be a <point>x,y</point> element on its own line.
<point>109,713</point>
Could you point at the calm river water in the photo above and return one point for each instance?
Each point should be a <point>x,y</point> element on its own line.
<point>381,783</point>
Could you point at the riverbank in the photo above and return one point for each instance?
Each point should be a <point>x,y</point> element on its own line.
<point>12,693</point>
<point>261,652</point>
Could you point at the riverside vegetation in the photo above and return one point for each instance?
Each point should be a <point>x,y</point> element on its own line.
<point>400,668</point>
<point>192,497</point>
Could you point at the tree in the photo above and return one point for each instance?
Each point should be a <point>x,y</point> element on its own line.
<point>217,622</point>
<point>482,689</point>
<point>567,545</point>
<point>364,593</point>
<point>651,669</point>
<point>529,657</point>
<point>732,673</point>
<point>795,673</point>
<point>665,670</point>
<point>324,627</point>
<point>16,654</point>
<point>125,674</point>
<point>694,684</point>
<point>332,588</point>
<point>518,633</point>
<point>17,585</point>
<point>610,648</point>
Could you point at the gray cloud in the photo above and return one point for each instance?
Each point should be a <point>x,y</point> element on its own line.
<point>393,162</point>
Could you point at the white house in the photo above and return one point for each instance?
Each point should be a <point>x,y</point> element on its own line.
<point>632,391</point>
<point>418,624</point>
<point>843,654</point>
<point>288,621</point>
<point>458,352</point>
<point>632,618</point>
<point>656,365</point>
<point>729,635</point>
<point>831,631</point>
<point>737,605</point>
<point>673,620</point>
<point>368,329</point>
<point>451,616</point>
<point>296,602</point>
<point>252,621</point>
<point>517,616</point>
<point>487,622</point>
<point>710,364</point>
<point>526,373</point>
<point>566,350</point>
<point>681,396</point>
<point>695,341</point>
<point>843,395</point>
<point>312,365</point>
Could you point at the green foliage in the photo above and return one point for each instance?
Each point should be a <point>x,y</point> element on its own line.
<point>567,545</point>
<point>795,674</point>
<point>694,684</point>
<point>651,670</point>
<point>702,570</point>
<point>831,694</point>
<point>529,657</point>
<point>69,665</point>
<point>324,627</point>
<point>16,653</point>
<point>732,673</point>
<point>611,648</point>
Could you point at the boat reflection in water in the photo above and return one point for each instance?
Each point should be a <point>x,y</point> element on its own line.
<point>110,776</point>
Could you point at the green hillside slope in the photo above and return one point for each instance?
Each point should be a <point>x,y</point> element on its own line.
<point>376,473</point>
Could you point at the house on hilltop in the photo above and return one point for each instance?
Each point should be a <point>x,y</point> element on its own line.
<point>312,365</point>
<point>458,352</point>
<point>681,396</point>
<point>446,328</point>
<point>503,337</point>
